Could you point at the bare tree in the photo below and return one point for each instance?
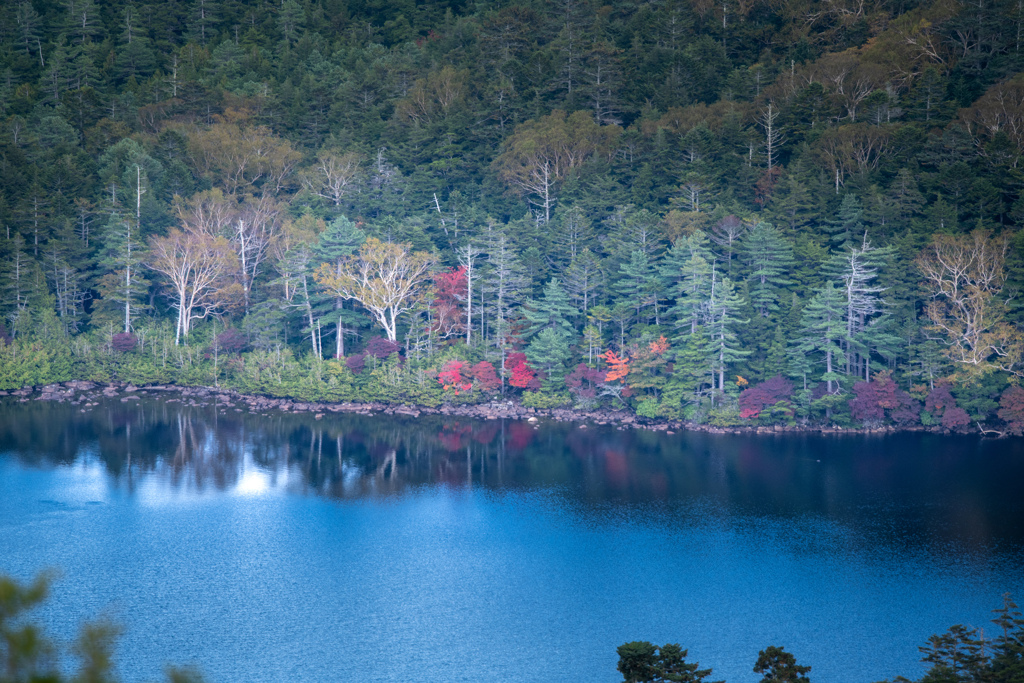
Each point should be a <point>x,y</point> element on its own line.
<point>773,136</point>
<point>467,259</point>
<point>253,230</point>
<point>333,176</point>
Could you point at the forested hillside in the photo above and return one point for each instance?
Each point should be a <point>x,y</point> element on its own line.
<point>734,212</point>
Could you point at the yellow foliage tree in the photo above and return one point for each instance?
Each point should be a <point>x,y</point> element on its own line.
<point>386,278</point>
<point>540,153</point>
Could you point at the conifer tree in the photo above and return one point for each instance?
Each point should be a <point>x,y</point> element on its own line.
<point>687,268</point>
<point>847,225</point>
<point>548,352</point>
<point>769,257</point>
<point>341,239</point>
<point>855,270</point>
<point>552,311</point>
<point>583,278</point>
<point>123,286</point>
<point>640,283</point>
<point>723,319</point>
<point>822,331</point>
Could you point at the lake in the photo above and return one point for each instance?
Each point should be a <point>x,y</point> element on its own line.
<point>282,547</point>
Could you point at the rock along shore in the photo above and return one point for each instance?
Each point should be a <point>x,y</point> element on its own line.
<point>87,395</point>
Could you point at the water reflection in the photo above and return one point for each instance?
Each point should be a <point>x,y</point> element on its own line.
<point>926,489</point>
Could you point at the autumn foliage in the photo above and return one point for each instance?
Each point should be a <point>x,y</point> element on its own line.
<point>1011,410</point>
<point>940,403</point>
<point>881,398</point>
<point>485,377</point>
<point>523,376</point>
<point>451,379</point>
<point>762,396</point>
<point>618,367</point>
<point>450,288</point>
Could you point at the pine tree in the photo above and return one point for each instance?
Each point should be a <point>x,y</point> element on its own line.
<point>572,234</point>
<point>723,319</point>
<point>505,284</point>
<point>793,203</point>
<point>822,330</point>
<point>553,311</point>
<point>855,270</point>
<point>769,257</point>
<point>687,269</point>
<point>776,362</point>
<point>639,283</point>
<point>203,19</point>
<point>692,372</point>
<point>583,278</point>
<point>123,286</point>
<point>341,239</point>
<point>548,352</point>
<point>291,19</point>
<point>927,101</point>
<point>846,226</point>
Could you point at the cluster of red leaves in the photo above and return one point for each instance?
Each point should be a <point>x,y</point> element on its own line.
<point>451,378</point>
<point>658,347</point>
<point>381,348</point>
<point>881,397</point>
<point>450,289</point>
<point>618,368</point>
<point>231,341</point>
<point>356,363</point>
<point>123,341</point>
<point>941,404</point>
<point>523,376</point>
<point>484,376</point>
<point>764,395</point>
<point>1011,410</point>
<point>583,381</point>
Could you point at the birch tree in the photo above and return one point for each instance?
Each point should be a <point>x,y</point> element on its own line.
<point>385,278</point>
<point>195,266</point>
<point>967,275</point>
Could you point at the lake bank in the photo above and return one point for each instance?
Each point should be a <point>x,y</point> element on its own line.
<point>79,392</point>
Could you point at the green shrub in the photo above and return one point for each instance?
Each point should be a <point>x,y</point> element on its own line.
<point>649,408</point>
<point>538,399</point>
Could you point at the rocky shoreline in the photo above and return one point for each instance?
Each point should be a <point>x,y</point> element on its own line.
<point>87,394</point>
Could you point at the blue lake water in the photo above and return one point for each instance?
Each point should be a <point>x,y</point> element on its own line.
<point>280,547</point>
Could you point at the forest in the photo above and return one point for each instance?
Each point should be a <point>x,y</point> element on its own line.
<point>737,212</point>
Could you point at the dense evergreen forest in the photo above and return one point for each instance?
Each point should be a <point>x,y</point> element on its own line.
<point>736,212</point>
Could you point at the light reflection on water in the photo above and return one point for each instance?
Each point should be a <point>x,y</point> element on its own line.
<point>384,549</point>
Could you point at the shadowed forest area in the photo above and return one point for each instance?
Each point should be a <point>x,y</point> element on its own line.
<point>731,213</point>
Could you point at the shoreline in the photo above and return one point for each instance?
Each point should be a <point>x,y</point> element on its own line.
<point>83,392</point>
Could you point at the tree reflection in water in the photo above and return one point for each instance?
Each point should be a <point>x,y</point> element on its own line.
<point>958,489</point>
